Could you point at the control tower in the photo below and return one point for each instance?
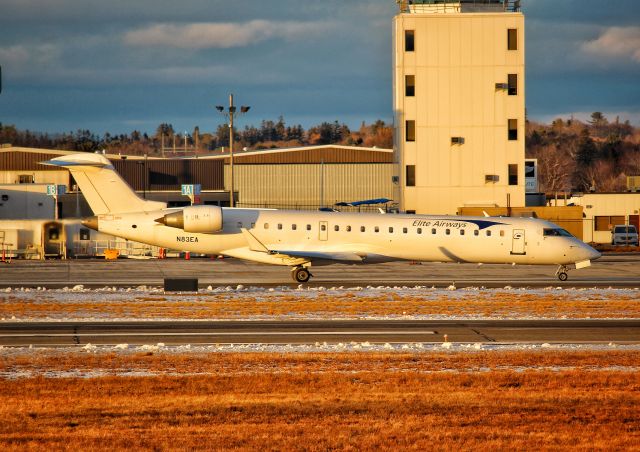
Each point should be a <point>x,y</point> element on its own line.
<point>458,94</point>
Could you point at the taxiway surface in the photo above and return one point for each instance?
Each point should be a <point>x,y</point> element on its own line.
<point>308,332</point>
<point>609,271</point>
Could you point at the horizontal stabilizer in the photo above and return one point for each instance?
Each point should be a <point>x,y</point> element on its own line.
<point>103,188</point>
<point>64,163</point>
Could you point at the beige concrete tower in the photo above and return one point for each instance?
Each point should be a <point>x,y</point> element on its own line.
<point>458,93</point>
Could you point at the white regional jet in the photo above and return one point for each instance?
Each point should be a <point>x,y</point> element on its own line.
<point>299,239</point>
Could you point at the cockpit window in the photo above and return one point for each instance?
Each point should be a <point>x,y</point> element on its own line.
<point>556,232</point>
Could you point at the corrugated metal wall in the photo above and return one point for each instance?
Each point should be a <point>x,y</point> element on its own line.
<point>170,174</point>
<point>307,186</point>
<point>26,161</point>
<point>315,155</point>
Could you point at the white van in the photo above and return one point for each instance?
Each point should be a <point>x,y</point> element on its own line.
<point>624,235</point>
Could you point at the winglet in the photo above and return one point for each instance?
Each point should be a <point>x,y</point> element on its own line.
<point>254,243</point>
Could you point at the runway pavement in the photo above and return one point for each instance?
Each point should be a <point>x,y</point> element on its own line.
<point>609,271</point>
<point>310,332</point>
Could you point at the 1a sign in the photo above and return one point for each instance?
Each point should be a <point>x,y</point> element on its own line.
<point>191,189</point>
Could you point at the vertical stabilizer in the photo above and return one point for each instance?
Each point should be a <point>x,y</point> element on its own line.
<point>103,188</point>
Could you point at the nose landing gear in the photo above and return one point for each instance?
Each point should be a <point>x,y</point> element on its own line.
<point>301,274</point>
<point>561,273</point>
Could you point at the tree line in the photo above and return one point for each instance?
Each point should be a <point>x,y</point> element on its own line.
<point>596,155</point>
<point>573,155</point>
<point>270,134</point>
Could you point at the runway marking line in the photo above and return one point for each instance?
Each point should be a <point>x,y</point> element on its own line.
<point>241,333</point>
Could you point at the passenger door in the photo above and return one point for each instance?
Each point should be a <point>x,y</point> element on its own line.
<point>518,243</point>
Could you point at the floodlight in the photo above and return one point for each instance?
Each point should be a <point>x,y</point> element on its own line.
<point>220,108</point>
<point>244,109</point>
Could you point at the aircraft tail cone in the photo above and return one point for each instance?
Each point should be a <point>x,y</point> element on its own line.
<point>91,223</point>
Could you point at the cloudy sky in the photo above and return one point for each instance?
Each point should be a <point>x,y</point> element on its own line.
<point>121,65</point>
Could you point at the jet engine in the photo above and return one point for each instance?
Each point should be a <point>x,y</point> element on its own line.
<point>204,219</point>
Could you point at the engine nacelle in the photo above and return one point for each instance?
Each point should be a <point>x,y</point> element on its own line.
<point>203,219</point>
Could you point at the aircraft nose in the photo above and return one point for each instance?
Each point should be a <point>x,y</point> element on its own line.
<point>595,254</point>
<point>588,253</point>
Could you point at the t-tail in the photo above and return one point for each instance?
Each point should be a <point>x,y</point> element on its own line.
<point>103,188</point>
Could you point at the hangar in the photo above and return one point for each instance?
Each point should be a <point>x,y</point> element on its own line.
<point>303,178</point>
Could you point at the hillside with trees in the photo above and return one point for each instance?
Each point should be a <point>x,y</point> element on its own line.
<point>576,156</point>
<point>270,134</point>
<point>572,155</point>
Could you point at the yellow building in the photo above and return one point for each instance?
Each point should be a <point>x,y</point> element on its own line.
<point>459,104</point>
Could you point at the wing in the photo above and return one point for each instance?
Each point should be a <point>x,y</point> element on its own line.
<point>322,255</point>
<point>340,256</point>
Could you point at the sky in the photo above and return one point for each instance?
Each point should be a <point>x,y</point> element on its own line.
<point>121,65</point>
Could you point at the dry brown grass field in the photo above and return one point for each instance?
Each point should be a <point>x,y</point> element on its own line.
<point>358,401</point>
<point>491,303</point>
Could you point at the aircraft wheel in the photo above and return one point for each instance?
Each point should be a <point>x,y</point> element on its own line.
<point>300,274</point>
<point>562,276</point>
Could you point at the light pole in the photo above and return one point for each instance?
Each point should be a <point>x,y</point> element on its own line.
<point>230,114</point>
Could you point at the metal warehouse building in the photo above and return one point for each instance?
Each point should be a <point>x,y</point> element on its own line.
<point>298,178</point>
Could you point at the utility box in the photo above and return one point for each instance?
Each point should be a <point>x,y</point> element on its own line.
<point>181,284</point>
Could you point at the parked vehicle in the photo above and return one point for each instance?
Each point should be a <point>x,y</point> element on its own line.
<point>624,235</point>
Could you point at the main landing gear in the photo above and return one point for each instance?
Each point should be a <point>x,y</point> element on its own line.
<point>300,274</point>
<point>561,273</point>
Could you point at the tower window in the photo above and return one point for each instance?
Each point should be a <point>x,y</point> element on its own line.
<point>409,40</point>
<point>513,174</point>
<point>512,39</point>
<point>513,85</point>
<point>410,85</point>
<point>513,130</point>
<point>411,176</point>
<point>410,130</point>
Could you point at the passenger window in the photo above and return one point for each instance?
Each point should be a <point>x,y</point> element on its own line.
<point>294,227</point>
<point>336,228</point>
<point>280,226</point>
<point>501,233</point>
<point>461,231</point>
<point>390,230</point>
<point>348,228</point>
<point>308,227</point>
<point>362,228</point>
<point>476,232</point>
<point>266,225</point>
<point>433,231</point>
<point>404,230</point>
<point>323,227</point>
<point>376,229</point>
<point>419,231</point>
<point>447,231</point>
<point>488,233</point>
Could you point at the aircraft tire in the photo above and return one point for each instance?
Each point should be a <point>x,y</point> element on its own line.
<point>300,274</point>
<point>562,276</point>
